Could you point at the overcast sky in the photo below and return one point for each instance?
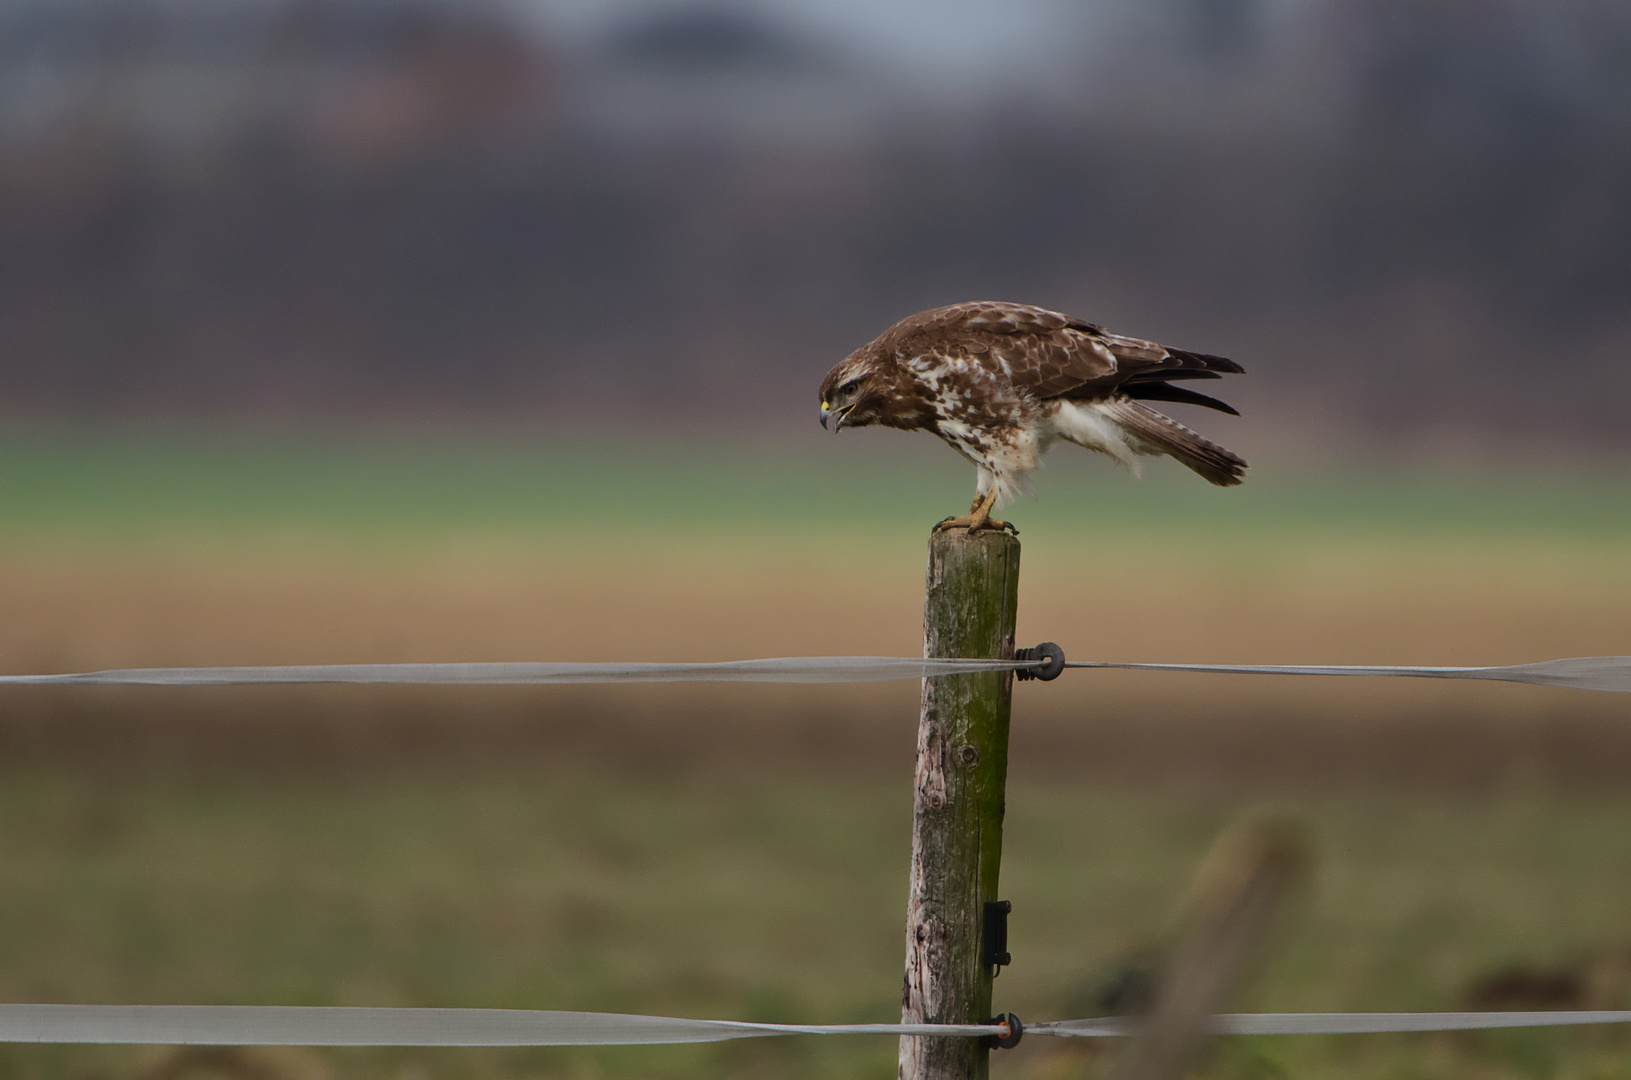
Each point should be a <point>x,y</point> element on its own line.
<point>977,42</point>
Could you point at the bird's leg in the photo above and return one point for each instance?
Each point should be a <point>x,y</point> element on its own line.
<point>978,517</point>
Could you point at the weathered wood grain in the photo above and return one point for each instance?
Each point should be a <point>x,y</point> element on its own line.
<point>961,777</point>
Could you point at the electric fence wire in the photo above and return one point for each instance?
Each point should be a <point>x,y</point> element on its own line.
<point>1603,673</point>
<point>279,1025</point>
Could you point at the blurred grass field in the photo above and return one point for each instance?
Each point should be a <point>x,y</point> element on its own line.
<point>758,898</point>
<point>741,851</point>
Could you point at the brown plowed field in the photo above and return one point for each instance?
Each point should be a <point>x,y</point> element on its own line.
<point>85,606</point>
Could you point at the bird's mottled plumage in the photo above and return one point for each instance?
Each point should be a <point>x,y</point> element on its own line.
<point>1001,382</point>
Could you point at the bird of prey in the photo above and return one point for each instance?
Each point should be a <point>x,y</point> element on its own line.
<point>1001,382</point>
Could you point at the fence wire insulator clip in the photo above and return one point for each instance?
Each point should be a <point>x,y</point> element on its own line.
<point>1009,1032</point>
<point>1053,654</point>
<point>994,936</point>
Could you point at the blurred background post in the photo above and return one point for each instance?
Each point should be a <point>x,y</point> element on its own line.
<point>1239,894</point>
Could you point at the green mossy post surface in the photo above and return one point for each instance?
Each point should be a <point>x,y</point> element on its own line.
<point>961,778</point>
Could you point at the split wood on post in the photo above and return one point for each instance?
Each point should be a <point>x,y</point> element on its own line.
<point>962,768</point>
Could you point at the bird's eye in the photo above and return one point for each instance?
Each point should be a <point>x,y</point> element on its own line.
<point>850,387</point>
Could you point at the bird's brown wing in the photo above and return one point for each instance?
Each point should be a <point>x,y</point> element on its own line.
<point>1037,350</point>
<point>1144,369</point>
<point>1145,360</point>
<point>1052,355</point>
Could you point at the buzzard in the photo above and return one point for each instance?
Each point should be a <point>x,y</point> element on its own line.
<point>1002,382</point>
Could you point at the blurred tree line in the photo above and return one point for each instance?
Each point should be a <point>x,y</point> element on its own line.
<point>1411,218</point>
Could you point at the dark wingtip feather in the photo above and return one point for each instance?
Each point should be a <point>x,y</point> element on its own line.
<point>1208,362</point>
<point>1160,391</point>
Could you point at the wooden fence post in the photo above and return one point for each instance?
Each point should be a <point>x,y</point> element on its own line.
<point>962,772</point>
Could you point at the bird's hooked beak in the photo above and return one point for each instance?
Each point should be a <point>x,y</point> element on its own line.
<point>837,415</point>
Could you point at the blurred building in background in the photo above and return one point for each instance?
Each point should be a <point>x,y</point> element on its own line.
<point>1411,222</point>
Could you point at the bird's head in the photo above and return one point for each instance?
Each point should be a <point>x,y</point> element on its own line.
<point>852,394</point>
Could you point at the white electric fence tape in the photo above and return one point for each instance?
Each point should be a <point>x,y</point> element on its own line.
<point>793,669</point>
<point>1340,1023</point>
<point>278,1025</point>
<point>293,1025</point>
<point>1609,673</point>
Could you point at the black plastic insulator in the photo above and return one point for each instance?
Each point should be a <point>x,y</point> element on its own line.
<point>1016,1031</point>
<point>1053,654</point>
<point>994,939</point>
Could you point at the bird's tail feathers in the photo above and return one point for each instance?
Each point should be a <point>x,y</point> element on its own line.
<point>1161,434</point>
